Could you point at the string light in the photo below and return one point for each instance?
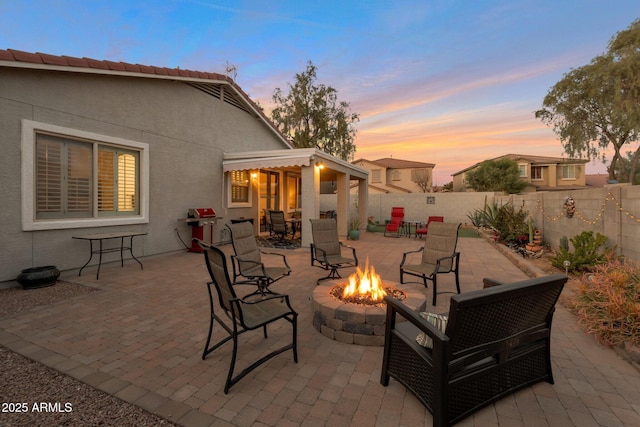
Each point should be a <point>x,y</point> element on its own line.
<point>610,197</point>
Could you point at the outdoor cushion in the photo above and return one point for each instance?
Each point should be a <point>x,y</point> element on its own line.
<point>437,320</point>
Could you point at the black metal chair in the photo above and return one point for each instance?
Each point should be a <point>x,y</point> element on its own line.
<point>326,249</point>
<point>247,262</point>
<point>244,314</point>
<point>439,256</point>
<point>279,224</point>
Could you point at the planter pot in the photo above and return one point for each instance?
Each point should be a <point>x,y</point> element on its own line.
<point>38,277</point>
<point>371,227</point>
<point>354,234</point>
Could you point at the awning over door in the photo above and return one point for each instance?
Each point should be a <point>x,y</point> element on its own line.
<point>289,158</point>
<point>266,162</point>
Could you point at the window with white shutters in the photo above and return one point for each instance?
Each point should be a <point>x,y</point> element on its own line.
<point>63,178</point>
<point>73,178</point>
<point>117,181</point>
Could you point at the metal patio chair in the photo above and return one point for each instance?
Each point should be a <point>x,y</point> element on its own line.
<point>244,314</point>
<point>439,256</point>
<point>279,224</point>
<point>326,248</point>
<point>394,227</point>
<point>248,266</point>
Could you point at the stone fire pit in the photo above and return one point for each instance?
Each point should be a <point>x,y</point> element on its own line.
<point>352,323</point>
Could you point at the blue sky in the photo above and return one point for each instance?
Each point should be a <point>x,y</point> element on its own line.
<point>440,81</point>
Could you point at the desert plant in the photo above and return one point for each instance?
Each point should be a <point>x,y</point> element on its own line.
<point>589,251</point>
<point>511,223</point>
<point>354,224</point>
<point>608,302</point>
<point>564,243</point>
<point>485,217</point>
<point>477,218</point>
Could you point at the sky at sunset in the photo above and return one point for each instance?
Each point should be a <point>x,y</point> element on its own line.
<point>439,81</point>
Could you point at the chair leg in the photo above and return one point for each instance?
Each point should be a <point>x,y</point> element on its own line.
<point>333,274</point>
<point>435,288</point>
<point>234,353</point>
<point>206,346</point>
<point>294,323</point>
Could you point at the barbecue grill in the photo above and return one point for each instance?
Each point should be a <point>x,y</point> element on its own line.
<point>198,219</point>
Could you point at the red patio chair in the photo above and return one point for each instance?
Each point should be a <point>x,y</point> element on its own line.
<point>423,231</point>
<point>394,226</point>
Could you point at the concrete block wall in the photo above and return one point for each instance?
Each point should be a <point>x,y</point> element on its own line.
<point>613,211</point>
<point>454,207</point>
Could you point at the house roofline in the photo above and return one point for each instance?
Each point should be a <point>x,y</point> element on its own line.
<point>12,58</point>
<point>535,160</point>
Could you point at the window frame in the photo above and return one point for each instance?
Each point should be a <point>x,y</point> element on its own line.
<point>522,170</point>
<point>296,187</point>
<point>536,168</point>
<point>568,168</point>
<point>28,178</point>
<point>230,185</point>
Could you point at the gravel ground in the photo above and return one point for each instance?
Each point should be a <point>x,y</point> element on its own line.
<point>32,394</point>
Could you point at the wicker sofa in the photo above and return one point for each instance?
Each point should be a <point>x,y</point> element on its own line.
<point>496,341</point>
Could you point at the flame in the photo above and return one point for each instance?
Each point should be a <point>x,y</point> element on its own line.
<point>366,283</point>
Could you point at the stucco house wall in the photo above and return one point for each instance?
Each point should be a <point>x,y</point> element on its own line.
<point>395,175</point>
<point>186,130</point>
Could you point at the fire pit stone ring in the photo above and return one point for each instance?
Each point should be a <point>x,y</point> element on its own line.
<point>354,323</point>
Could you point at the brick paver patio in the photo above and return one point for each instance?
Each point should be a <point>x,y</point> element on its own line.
<point>141,336</point>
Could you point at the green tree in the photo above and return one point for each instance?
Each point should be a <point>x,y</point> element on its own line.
<point>311,116</point>
<point>598,105</point>
<point>496,175</point>
<point>624,164</point>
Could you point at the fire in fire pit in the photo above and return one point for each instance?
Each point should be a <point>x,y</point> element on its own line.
<point>365,287</point>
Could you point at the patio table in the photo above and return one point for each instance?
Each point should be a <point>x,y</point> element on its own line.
<point>296,226</point>
<point>408,226</point>
<point>101,237</point>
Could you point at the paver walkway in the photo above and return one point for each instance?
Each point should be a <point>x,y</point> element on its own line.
<point>141,336</point>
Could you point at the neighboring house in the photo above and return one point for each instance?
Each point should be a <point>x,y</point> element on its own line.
<point>541,173</point>
<point>390,175</point>
<point>94,146</point>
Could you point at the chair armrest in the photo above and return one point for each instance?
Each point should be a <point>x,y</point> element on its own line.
<point>455,258</point>
<point>239,302</point>
<point>236,260</point>
<point>353,251</point>
<point>284,258</point>
<point>404,255</point>
<point>262,299</point>
<point>489,283</point>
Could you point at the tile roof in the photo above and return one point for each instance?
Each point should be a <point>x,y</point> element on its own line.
<point>96,64</point>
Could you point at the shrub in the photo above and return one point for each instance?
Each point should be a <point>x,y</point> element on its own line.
<point>608,302</point>
<point>512,224</point>
<point>588,252</point>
